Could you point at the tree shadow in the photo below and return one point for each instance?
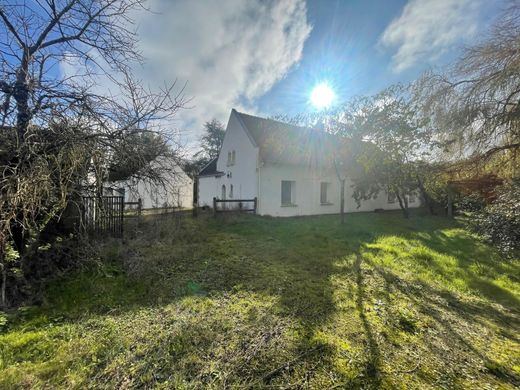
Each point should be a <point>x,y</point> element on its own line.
<point>443,306</point>
<point>470,252</point>
<point>292,261</point>
<point>373,367</point>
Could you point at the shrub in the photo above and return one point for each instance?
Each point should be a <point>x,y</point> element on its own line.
<point>499,222</point>
<point>471,203</point>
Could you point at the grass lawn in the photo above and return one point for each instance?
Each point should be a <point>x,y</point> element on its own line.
<point>250,302</point>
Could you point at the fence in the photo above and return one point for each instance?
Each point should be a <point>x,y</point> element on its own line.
<point>103,215</point>
<point>240,203</point>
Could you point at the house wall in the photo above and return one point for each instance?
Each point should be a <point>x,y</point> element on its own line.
<point>307,192</point>
<point>208,188</point>
<point>242,174</point>
<point>178,192</point>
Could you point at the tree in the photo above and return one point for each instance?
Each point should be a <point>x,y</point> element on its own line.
<point>390,140</point>
<point>476,103</point>
<point>210,142</point>
<point>60,130</point>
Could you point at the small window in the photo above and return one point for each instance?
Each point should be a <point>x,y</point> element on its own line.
<point>233,155</point>
<point>324,193</point>
<point>231,190</point>
<point>411,198</point>
<point>391,197</point>
<point>288,188</point>
<point>228,158</point>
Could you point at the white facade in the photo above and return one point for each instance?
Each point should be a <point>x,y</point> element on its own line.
<point>307,193</point>
<point>177,192</point>
<point>241,174</point>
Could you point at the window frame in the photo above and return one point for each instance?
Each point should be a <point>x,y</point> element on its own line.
<point>327,185</point>
<point>391,198</point>
<point>292,193</point>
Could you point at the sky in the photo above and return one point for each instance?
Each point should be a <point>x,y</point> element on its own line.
<point>264,57</point>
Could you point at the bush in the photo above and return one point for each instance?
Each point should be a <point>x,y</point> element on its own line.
<point>499,222</point>
<point>471,203</point>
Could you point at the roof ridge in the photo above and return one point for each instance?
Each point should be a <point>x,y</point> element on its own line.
<point>275,121</point>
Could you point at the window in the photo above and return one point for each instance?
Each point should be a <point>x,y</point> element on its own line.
<point>391,197</point>
<point>228,158</point>
<point>223,191</point>
<point>288,189</point>
<point>231,190</point>
<point>233,155</point>
<point>324,193</point>
<point>411,198</point>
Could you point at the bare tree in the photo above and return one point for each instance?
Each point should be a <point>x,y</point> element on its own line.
<point>61,129</point>
<point>476,104</point>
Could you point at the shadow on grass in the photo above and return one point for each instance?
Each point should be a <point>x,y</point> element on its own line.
<point>293,261</point>
<point>373,369</point>
<point>476,264</point>
<point>443,306</point>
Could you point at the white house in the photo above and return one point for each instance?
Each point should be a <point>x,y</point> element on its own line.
<point>176,192</point>
<point>291,170</point>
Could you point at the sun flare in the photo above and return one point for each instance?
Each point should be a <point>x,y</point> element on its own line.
<point>322,96</point>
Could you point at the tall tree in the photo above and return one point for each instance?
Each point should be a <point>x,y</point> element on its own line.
<point>476,102</point>
<point>391,139</point>
<point>210,143</point>
<point>60,128</point>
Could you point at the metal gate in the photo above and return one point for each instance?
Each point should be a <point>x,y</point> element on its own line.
<point>103,215</point>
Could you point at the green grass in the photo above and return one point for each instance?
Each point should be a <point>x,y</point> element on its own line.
<point>250,302</point>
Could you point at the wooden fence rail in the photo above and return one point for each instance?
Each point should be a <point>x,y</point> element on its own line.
<point>238,202</point>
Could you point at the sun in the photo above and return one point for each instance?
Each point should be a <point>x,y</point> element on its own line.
<point>322,96</point>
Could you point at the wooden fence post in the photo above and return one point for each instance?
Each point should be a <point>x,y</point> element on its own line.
<point>255,203</point>
<point>214,207</point>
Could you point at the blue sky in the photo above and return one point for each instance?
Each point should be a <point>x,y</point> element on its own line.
<point>264,56</point>
<point>346,48</point>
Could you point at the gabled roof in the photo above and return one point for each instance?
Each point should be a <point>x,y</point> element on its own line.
<point>283,143</point>
<point>211,169</point>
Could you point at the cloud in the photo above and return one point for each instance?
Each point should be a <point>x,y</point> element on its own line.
<point>426,29</point>
<point>229,52</point>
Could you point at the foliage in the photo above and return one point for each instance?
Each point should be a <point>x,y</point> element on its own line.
<point>60,132</point>
<point>475,104</point>
<point>249,302</point>
<point>134,156</point>
<point>392,139</point>
<point>499,222</point>
<point>470,203</point>
<point>210,142</point>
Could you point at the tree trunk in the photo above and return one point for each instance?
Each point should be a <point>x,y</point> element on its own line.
<point>21,96</point>
<point>403,203</point>
<point>342,201</point>
<point>426,196</point>
<point>450,201</point>
<point>3,266</point>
